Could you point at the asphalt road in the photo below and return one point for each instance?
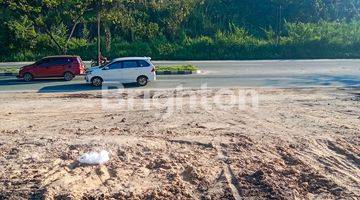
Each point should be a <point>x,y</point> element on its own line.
<point>276,74</point>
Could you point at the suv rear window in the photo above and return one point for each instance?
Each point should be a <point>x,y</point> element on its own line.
<point>77,59</point>
<point>130,64</point>
<point>143,63</point>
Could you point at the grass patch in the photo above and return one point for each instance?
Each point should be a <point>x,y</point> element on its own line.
<point>177,68</point>
<point>158,68</point>
<point>9,69</point>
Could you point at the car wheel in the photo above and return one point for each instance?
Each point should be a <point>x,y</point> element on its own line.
<point>142,80</point>
<point>68,76</point>
<point>96,81</point>
<point>28,77</point>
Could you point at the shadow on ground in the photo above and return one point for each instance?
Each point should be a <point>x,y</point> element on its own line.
<point>9,82</point>
<point>79,87</point>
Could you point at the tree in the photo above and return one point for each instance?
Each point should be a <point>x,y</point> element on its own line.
<point>53,17</point>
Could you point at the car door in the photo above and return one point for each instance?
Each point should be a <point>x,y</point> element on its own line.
<point>54,67</point>
<point>112,72</point>
<point>130,70</point>
<point>43,68</point>
<point>59,66</point>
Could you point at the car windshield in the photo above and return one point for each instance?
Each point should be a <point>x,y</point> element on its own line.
<point>105,64</point>
<point>102,66</point>
<point>38,62</point>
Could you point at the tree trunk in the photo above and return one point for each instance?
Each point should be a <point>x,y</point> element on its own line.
<point>99,39</point>
<point>76,22</point>
<point>61,50</point>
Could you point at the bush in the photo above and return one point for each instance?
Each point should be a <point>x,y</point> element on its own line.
<point>177,68</point>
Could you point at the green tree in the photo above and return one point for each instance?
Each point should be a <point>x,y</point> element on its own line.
<point>57,19</point>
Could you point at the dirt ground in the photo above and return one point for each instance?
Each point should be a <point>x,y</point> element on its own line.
<point>298,144</point>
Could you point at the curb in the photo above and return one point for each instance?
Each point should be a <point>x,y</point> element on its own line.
<point>178,72</point>
<point>8,74</point>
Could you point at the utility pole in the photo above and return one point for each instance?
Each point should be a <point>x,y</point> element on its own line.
<point>99,39</point>
<point>279,23</point>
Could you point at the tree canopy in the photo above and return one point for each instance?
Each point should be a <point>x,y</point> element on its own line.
<point>163,28</point>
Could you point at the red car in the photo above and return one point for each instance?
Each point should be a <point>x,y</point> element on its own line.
<point>54,66</point>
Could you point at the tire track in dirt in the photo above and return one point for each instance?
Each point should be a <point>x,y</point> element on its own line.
<point>231,179</point>
<point>352,157</point>
<point>227,171</point>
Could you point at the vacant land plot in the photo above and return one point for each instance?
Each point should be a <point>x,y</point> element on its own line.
<point>299,143</point>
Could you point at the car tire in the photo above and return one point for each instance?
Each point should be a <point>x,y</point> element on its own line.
<point>28,77</point>
<point>96,81</point>
<point>68,76</point>
<point>142,80</point>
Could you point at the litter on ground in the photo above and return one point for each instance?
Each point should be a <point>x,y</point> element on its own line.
<point>95,158</point>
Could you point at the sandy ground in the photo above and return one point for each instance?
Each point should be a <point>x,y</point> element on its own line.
<point>298,144</point>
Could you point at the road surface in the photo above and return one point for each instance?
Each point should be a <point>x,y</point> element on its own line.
<point>277,74</point>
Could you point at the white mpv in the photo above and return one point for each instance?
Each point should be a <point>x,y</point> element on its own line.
<point>123,70</point>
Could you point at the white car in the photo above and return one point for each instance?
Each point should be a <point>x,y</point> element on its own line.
<point>123,70</point>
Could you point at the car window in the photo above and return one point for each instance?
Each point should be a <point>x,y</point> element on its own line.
<point>44,63</point>
<point>51,62</point>
<point>39,62</point>
<point>61,61</point>
<point>143,63</point>
<point>130,64</point>
<point>115,65</point>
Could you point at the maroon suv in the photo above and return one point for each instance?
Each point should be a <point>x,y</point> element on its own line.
<point>54,66</point>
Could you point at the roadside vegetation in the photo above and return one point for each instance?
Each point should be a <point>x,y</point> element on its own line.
<point>9,69</point>
<point>191,68</point>
<point>181,29</point>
